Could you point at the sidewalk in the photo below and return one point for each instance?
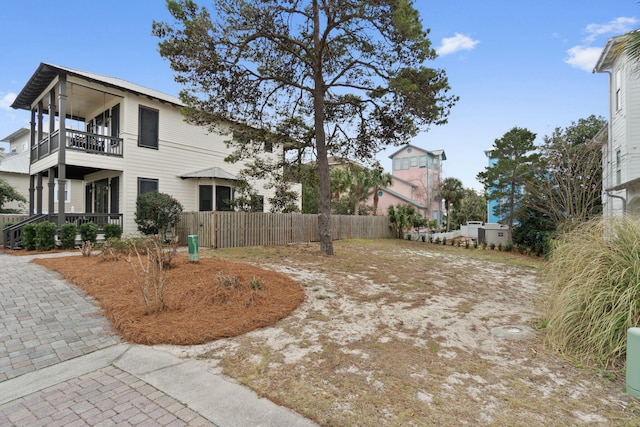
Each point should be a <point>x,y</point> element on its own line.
<point>61,365</point>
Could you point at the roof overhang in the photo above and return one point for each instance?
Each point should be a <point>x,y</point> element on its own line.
<point>624,185</point>
<point>47,73</point>
<point>214,172</point>
<point>609,53</point>
<point>15,135</point>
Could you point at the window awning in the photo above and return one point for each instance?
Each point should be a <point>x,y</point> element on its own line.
<point>214,172</point>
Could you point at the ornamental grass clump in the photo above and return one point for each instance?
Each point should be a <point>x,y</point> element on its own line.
<point>594,282</point>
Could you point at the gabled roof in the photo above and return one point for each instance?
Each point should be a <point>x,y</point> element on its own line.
<point>403,198</point>
<point>609,54</point>
<point>47,73</point>
<point>15,135</point>
<point>434,153</point>
<point>214,172</point>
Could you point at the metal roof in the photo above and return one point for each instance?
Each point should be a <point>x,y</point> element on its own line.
<point>47,73</point>
<point>214,172</point>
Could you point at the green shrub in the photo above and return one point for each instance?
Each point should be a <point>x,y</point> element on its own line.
<point>112,231</point>
<point>437,241</point>
<point>68,233</point>
<point>29,237</point>
<point>475,245</point>
<point>89,232</point>
<point>593,275</point>
<point>444,241</point>
<point>492,246</point>
<point>466,244</point>
<point>508,247</point>
<point>500,247</point>
<point>156,213</point>
<point>46,235</point>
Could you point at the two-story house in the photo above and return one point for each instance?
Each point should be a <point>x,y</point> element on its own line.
<point>120,139</point>
<point>621,141</point>
<point>416,176</point>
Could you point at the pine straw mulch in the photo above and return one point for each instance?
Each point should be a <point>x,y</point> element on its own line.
<point>198,308</point>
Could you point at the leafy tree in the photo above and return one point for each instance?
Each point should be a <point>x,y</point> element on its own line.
<point>353,184</point>
<point>504,181</point>
<point>285,200</point>
<point>379,180</point>
<point>9,194</point>
<point>472,207</point>
<point>452,192</point>
<point>347,77</point>
<point>402,218</point>
<point>157,212</point>
<point>567,185</point>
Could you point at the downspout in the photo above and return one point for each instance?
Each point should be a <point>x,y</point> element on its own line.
<point>624,201</point>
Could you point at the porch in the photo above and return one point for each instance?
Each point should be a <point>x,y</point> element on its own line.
<point>80,141</point>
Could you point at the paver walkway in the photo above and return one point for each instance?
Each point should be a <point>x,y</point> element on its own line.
<point>61,365</point>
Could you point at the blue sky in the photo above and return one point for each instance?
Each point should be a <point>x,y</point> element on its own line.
<point>511,64</point>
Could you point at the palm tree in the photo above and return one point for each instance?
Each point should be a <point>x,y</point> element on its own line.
<point>452,192</point>
<point>379,180</point>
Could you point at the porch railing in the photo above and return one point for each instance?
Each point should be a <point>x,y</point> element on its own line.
<point>78,141</point>
<point>13,233</point>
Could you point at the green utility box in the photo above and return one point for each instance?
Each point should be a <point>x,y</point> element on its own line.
<point>633,362</point>
<point>193,247</point>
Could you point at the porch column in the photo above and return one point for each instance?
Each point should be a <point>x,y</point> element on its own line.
<point>51,193</point>
<point>40,109</point>
<point>33,143</point>
<point>32,191</point>
<point>62,159</point>
<point>39,194</point>
<point>52,112</point>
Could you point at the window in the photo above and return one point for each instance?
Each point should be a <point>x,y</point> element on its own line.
<point>618,167</point>
<point>24,146</point>
<point>147,185</point>
<point>618,83</point>
<point>414,161</point>
<point>67,196</point>
<point>500,233</point>
<point>397,164</point>
<point>268,147</point>
<point>422,161</point>
<point>206,198</point>
<point>147,127</point>
<point>405,163</point>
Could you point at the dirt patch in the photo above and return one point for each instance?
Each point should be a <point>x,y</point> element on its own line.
<point>398,333</point>
<point>199,307</point>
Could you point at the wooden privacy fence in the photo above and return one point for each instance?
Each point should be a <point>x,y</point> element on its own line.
<point>235,229</point>
<point>9,218</point>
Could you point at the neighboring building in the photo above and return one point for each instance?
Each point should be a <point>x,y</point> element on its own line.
<point>14,169</point>
<point>621,140</point>
<point>494,233</point>
<point>117,140</point>
<point>417,174</point>
<point>492,216</point>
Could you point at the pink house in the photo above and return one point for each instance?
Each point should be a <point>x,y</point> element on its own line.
<point>416,181</point>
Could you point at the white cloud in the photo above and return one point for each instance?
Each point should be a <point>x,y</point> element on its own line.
<point>455,44</point>
<point>616,27</point>
<point>6,100</point>
<point>583,57</point>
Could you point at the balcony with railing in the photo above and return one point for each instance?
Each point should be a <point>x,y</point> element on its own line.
<point>78,141</point>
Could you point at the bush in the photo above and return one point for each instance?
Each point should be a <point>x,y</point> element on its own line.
<point>437,241</point>
<point>89,232</point>
<point>466,244</point>
<point>112,231</point>
<point>500,247</point>
<point>594,279</point>
<point>156,213</point>
<point>508,247</point>
<point>492,246</point>
<point>68,233</point>
<point>444,241</point>
<point>29,237</point>
<point>46,235</point>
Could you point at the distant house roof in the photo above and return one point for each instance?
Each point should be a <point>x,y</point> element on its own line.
<point>434,153</point>
<point>46,73</point>
<point>403,198</point>
<point>15,135</point>
<point>214,172</point>
<point>15,163</point>
<point>609,54</point>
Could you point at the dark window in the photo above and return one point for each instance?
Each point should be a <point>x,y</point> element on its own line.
<point>115,195</point>
<point>223,198</point>
<point>147,185</point>
<point>206,198</point>
<point>115,121</point>
<point>148,127</point>
<point>259,204</point>
<point>268,147</point>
